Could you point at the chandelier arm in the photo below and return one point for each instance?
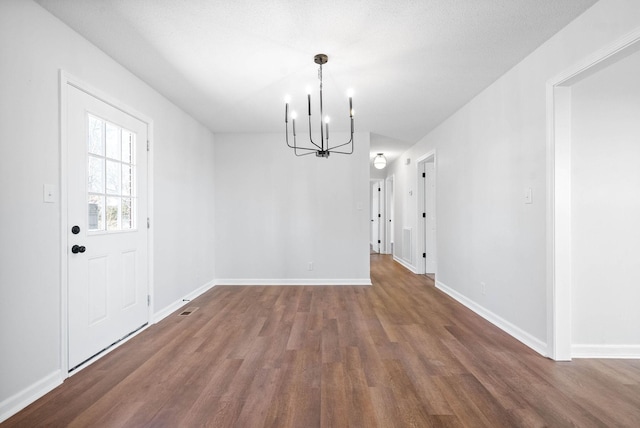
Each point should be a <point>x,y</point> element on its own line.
<point>312,150</point>
<point>310,137</point>
<point>286,135</point>
<point>296,147</point>
<point>304,148</point>
<point>304,154</point>
<point>342,145</point>
<point>345,152</point>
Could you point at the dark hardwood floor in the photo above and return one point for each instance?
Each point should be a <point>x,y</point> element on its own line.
<point>397,354</point>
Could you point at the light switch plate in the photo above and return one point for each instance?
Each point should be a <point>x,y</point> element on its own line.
<point>48,193</point>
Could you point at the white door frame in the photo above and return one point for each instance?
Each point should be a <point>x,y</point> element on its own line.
<point>420,242</point>
<point>559,189</point>
<point>67,80</point>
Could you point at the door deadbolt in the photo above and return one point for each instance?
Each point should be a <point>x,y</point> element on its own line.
<point>75,230</point>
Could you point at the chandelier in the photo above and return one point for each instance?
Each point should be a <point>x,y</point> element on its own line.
<point>322,149</point>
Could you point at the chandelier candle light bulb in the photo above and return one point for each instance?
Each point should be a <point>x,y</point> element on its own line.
<point>293,118</point>
<point>321,148</point>
<point>326,124</point>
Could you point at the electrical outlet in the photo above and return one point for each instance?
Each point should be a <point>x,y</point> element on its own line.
<point>483,288</point>
<point>310,267</point>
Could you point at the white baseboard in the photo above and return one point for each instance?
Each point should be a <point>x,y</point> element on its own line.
<point>406,264</point>
<point>168,310</point>
<point>524,337</point>
<point>314,282</point>
<point>605,351</point>
<point>22,399</point>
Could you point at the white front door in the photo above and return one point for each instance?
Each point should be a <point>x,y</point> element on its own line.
<point>107,225</point>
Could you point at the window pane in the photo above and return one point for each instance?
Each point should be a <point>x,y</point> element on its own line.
<point>127,146</point>
<point>127,180</point>
<point>110,176</point>
<point>113,177</point>
<point>95,141</point>
<point>127,210</point>
<point>96,212</point>
<point>95,180</point>
<point>113,141</point>
<point>113,213</point>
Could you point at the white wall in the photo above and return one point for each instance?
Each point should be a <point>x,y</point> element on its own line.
<point>375,173</point>
<point>487,154</point>
<point>605,208</point>
<point>276,212</point>
<point>34,46</point>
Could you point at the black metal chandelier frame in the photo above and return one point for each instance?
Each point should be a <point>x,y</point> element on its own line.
<point>322,150</point>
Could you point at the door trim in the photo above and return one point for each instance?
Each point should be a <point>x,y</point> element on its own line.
<point>67,80</point>
<point>558,215</point>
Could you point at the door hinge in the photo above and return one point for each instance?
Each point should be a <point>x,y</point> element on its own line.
<point>424,255</point>
<point>148,223</point>
<point>148,146</point>
<point>148,299</point>
<point>378,241</point>
<point>424,215</point>
<point>379,215</point>
<point>424,174</point>
<point>378,189</point>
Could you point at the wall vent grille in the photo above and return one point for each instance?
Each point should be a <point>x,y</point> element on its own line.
<point>188,311</point>
<point>406,245</point>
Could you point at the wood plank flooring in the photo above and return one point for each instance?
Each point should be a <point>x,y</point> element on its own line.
<point>397,354</point>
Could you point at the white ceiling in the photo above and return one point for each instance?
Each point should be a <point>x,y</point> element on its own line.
<point>229,64</point>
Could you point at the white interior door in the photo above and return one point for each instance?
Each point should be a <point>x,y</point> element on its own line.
<point>375,217</point>
<point>389,207</point>
<point>107,226</point>
<point>430,218</point>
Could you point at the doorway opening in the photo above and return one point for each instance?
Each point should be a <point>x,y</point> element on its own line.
<point>576,156</point>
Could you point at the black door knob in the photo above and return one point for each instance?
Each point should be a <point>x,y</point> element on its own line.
<point>78,249</point>
<point>75,230</point>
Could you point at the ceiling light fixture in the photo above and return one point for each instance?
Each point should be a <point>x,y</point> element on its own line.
<point>322,150</point>
<point>380,161</point>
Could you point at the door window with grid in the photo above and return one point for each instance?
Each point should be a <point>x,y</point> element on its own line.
<point>111,176</point>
